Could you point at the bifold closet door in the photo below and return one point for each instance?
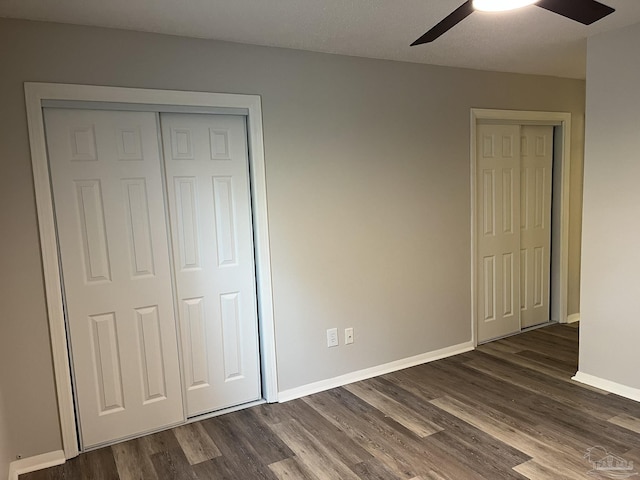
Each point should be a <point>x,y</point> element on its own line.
<point>206,162</point>
<point>112,233</point>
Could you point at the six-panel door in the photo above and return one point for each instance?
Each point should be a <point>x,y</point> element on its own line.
<point>210,209</point>
<point>110,215</point>
<point>498,230</point>
<point>536,152</point>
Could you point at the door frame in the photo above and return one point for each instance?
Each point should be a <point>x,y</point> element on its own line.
<point>560,263</point>
<point>38,95</point>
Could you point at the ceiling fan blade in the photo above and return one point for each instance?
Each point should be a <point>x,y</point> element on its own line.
<point>459,14</point>
<point>583,11</point>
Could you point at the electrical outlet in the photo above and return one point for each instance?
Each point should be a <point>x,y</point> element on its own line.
<point>332,337</point>
<point>348,336</point>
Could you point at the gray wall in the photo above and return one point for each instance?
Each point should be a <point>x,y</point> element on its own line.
<point>368,191</point>
<point>610,325</point>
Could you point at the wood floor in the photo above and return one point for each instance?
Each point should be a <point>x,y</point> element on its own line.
<point>507,410</point>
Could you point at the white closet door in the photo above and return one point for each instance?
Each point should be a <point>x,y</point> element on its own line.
<point>535,222</point>
<point>110,215</point>
<point>498,230</point>
<point>206,162</point>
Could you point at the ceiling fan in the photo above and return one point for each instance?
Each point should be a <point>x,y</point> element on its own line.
<point>583,11</point>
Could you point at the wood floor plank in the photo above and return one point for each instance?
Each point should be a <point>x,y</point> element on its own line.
<point>132,461</point>
<point>271,413</point>
<point>159,442</point>
<point>632,455</point>
<point>244,436</point>
<point>541,346</point>
<point>626,421</point>
<point>291,469</point>
<point>173,464</point>
<point>404,416</point>
<point>536,358</point>
<point>334,438</point>
<point>522,361</point>
<point>94,465</point>
<point>469,454</point>
<point>98,465</point>
<point>501,345</point>
<point>312,453</point>
<point>374,469</point>
<point>412,379</point>
<point>543,337</point>
<point>196,443</point>
<point>538,471</point>
<point>221,468</point>
<point>59,472</point>
<point>86,466</point>
<point>563,330</point>
<point>430,476</point>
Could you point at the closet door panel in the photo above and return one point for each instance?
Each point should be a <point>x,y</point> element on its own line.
<point>208,189</point>
<point>535,220</point>
<point>112,234</point>
<point>498,233</point>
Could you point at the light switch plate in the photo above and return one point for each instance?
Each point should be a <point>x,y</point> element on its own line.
<point>332,337</point>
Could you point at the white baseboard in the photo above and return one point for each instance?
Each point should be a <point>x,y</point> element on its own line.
<point>31,464</point>
<point>608,386</point>
<point>574,317</point>
<point>341,380</point>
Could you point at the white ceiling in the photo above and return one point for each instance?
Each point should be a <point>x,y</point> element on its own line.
<point>530,40</point>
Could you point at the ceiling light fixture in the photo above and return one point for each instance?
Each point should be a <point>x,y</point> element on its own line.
<point>501,5</point>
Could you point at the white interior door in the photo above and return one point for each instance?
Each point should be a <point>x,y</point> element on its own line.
<point>536,149</point>
<point>110,215</point>
<point>498,232</point>
<point>206,162</point>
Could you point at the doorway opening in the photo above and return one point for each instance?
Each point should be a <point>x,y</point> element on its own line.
<point>41,95</point>
<point>560,122</point>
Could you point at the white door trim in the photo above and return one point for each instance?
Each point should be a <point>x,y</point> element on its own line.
<point>522,117</point>
<point>35,95</point>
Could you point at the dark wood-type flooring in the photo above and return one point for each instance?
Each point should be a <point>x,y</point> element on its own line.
<point>507,410</point>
